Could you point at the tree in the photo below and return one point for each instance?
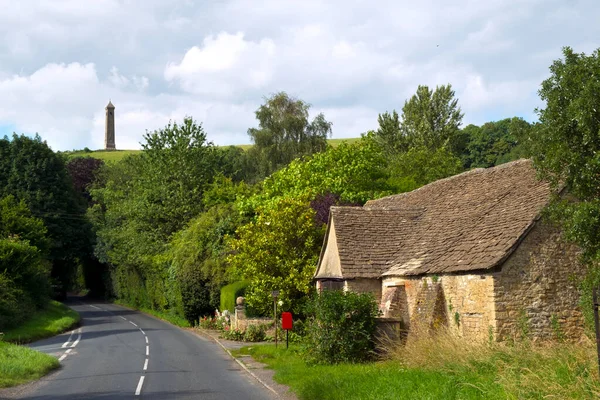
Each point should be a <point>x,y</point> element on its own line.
<point>420,166</point>
<point>431,118</point>
<point>31,171</point>
<point>496,142</point>
<point>82,171</point>
<point>566,150</point>
<point>389,134</point>
<point>24,269</point>
<point>278,251</point>
<point>285,133</point>
<point>142,202</point>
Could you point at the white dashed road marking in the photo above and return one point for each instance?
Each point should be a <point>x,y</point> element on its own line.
<point>146,364</point>
<point>72,346</point>
<point>139,386</point>
<point>65,344</point>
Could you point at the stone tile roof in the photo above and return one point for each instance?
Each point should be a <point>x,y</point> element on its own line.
<point>369,240</point>
<point>471,221</point>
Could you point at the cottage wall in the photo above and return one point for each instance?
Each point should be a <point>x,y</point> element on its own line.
<point>536,289</point>
<point>469,301</point>
<point>364,285</point>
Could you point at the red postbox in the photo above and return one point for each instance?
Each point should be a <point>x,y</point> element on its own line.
<point>286,320</point>
<point>286,323</point>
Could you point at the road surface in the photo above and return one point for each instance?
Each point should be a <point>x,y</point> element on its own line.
<point>118,353</point>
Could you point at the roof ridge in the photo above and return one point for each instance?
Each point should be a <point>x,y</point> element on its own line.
<point>369,203</point>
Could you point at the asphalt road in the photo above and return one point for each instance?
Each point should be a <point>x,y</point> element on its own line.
<point>118,353</point>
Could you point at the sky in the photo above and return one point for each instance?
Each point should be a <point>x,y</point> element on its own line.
<point>61,61</point>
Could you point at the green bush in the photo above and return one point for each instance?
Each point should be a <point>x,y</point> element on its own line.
<point>231,292</point>
<point>255,333</point>
<point>340,327</point>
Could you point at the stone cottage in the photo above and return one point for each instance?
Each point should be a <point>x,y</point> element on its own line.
<point>470,252</point>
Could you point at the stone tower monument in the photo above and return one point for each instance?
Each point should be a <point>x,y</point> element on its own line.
<point>109,128</point>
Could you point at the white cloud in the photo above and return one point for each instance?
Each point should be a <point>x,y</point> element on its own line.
<point>223,65</point>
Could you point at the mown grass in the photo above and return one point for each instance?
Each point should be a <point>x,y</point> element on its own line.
<point>117,155</point>
<point>166,316</point>
<point>19,364</point>
<point>52,320</point>
<point>442,370</point>
<point>106,156</point>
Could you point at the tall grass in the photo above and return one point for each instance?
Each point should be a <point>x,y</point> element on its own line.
<point>522,369</point>
<point>20,364</point>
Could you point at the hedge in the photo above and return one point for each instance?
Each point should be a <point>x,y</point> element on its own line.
<point>231,292</point>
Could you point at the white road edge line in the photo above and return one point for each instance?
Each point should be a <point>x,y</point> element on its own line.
<point>68,351</point>
<point>146,339</point>
<point>146,364</point>
<point>246,368</point>
<point>62,357</point>
<point>147,350</point>
<point>65,344</point>
<point>133,323</point>
<point>139,386</point>
<point>76,342</point>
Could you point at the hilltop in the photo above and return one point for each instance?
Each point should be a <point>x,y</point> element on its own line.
<point>117,155</point>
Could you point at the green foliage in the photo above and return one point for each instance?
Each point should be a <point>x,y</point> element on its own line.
<point>431,118</point>
<point>198,254</point>
<point>230,293</point>
<point>255,333</point>
<point>50,320</point>
<point>284,133</point>
<point>142,202</point>
<point>389,134</point>
<point>497,142</point>
<point>24,270</point>
<point>420,166</point>
<point>356,172</point>
<point>340,327</point>
<point>278,251</point>
<point>566,150</point>
<point>32,172</point>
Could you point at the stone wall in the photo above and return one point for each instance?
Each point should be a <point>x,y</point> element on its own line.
<point>364,285</point>
<point>468,300</point>
<point>538,285</point>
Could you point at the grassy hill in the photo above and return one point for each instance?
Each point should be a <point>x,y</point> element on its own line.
<point>116,155</point>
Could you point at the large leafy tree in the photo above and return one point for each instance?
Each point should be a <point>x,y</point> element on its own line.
<point>566,149</point>
<point>278,251</point>
<point>284,133</point>
<point>31,171</point>
<point>143,201</point>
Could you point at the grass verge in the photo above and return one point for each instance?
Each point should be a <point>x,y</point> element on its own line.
<point>523,371</point>
<point>166,316</point>
<point>20,364</point>
<point>52,320</point>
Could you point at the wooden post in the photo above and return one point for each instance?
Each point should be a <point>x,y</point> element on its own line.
<point>597,324</point>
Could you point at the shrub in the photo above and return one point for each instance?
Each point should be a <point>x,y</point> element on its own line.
<point>341,327</point>
<point>230,293</point>
<point>255,333</point>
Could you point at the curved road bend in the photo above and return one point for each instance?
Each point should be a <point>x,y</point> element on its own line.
<point>119,353</point>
